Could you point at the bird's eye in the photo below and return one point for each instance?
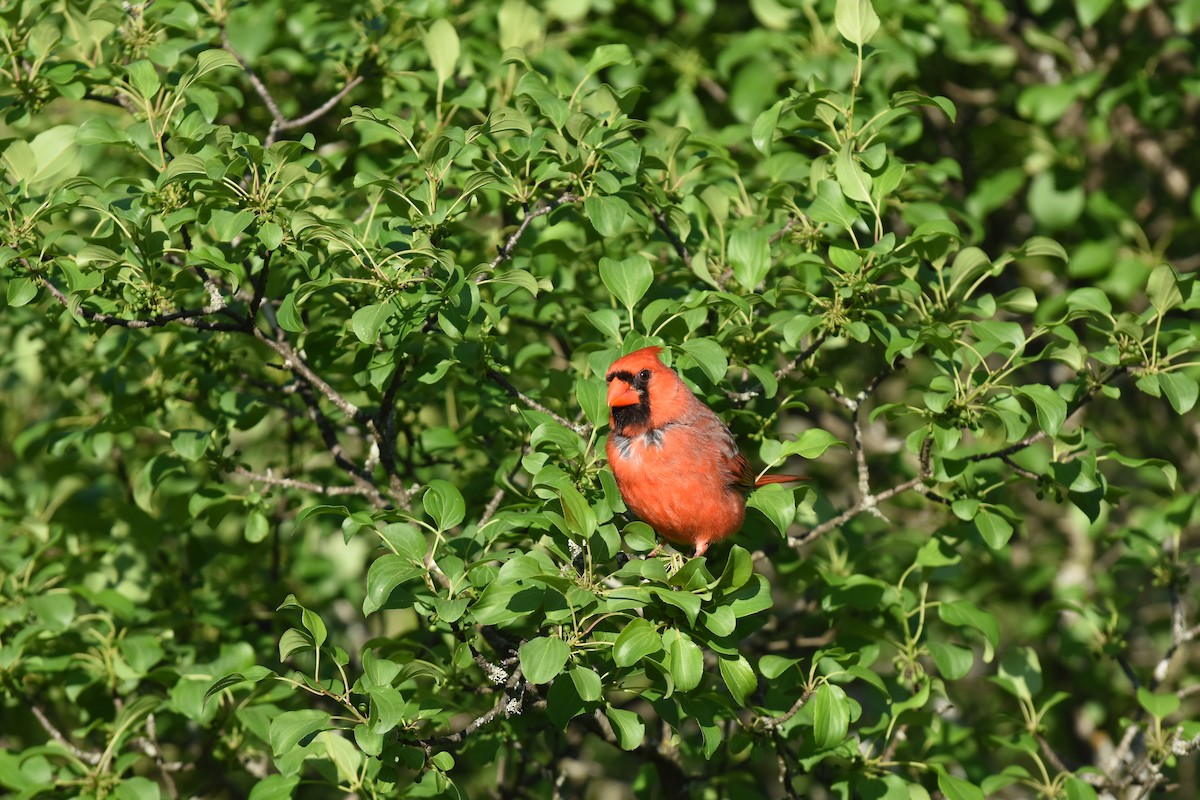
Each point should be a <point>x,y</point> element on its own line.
<point>644,376</point>
<point>609,378</point>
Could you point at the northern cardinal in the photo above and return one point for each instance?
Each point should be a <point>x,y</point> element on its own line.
<point>678,467</point>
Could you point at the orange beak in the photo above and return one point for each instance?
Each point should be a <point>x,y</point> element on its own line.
<point>621,393</point>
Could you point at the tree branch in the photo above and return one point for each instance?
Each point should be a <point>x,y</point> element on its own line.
<point>660,217</point>
<point>193,318</point>
<point>293,361</point>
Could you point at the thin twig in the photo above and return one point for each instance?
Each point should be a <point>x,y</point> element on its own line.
<point>782,232</point>
<point>494,504</point>
<point>506,250</point>
<point>660,217</point>
<point>279,122</point>
<point>293,483</point>
<point>582,430</point>
<point>508,704</point>
<point>773,723</point>
<point>294,362</point>
<point>1034,438</point>
<point>329,437</point>
<point>193,318</point>
<point>869,501</point>
<point>86,756</point>
<point>321,110</point>
<point>149,745</point>
<point>813,346</point>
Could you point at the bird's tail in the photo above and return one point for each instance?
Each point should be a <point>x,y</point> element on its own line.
<point>767,479</point>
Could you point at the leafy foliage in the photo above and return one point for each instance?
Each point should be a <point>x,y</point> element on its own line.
<point>274,269</point>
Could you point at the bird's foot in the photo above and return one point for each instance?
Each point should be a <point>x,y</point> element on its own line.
<point>675,562</point>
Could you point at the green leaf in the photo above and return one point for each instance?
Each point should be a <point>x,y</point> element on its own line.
<point>1090,11</point>
<point>144,78</point>
<point>956,788</point>
<point>1050,407</point>
<point>580,516</point>
<point>56,611</point>
<point>953,661</point>
<point>607,214</point>
<point>854,180</point>
<point>234,678</point>
<point>387,708</point>
<point>1021,673</point>
<point>628,280</point>
<point>763,131</point>
<point>995,529</point>
<point>1078,789</point>
<point>587,684</point>
<point>385,574</point>
<point>739,677</point>
<point>1044,246</point>
<point>856,20</point>
<point>294,641</point>
<point>21,291</point>
<point>963,613</point>
<point>685,660</point>
<point>1159,706</point>
<point>1162,289</point>
<point>831,207</point>
<point>831,715</point>
<point>607,55</point>
<point>313,624</point>
<point>190,444</point>
<point>289,316</point>
<point>772,666</point>
<point>937,552</point>
<point>291,728</point>
<point>275,787</point>
<point>750,256</point>
<point>258,527</point>
<point>638,640</point>
<point>628,727</point>
<point>739,566</point>
<point>777,504</point>
<point>693,576</point>
<point>1054,208</point>
<point>442,45</point>
<point>229,224</point>
<point>444,504</point>
<point>1089,298</point>
<point>811,443</point>
<point>1181,390</point>
<point>709,356</point>
<point>367,321</point>
<point>543,658</point>
<point>213,59</point>
<point>137,788</point>
<point>51,157</point>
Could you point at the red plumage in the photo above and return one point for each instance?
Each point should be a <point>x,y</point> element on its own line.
<point>678,467</point>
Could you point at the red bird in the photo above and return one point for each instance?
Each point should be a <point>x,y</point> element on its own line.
<point>678,467</point>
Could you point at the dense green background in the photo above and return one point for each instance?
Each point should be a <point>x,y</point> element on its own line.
<point>306,313</point>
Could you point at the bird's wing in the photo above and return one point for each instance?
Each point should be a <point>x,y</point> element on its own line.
<point>738,474</point>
